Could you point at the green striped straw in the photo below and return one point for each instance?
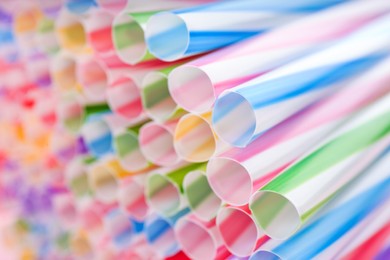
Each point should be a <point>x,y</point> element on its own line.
<point>164,188</point>
<point>126,147</point>
<point>201,198</point>
<point>46,38</point>
<point>128,36</point>
<point>76,176</point>
<point>156,98</point>
<point>281,206</point>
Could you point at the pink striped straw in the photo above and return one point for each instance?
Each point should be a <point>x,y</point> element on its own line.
<point>64,205</point>
<point>156,143</point>
<point>245,170</point>
<point>204,242</point>
<point>131,197</point>
<point>196,85</point>
<point>114,6</point>
<point>93,77</point>
<point>123,97</point>
<point>239,231</point>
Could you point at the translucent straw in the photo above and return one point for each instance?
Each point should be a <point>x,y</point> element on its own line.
<point>156,142</point>
<point>239,231</point>
<point>205,241</point>
<point>164,188</point>
<point>211,26</point>
<point>195,140</point>
<point>196,85</point>
<point>290,198</point>
<point>131,197</point>
<point>160,234</point>
<point>267,100</point>
<point>156,99</point>
<point>202,201</point>
<point>247,169</point>
<point>357,204</point>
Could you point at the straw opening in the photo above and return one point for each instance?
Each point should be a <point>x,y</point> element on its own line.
<point>194,139</point>
<point>157,145</point>
<point>229,109</point>
<point>124,98</point>
<point>201,198</point>
<point>156,98</point>
<point>93,78</point>
<point>238,231</point>
<point>162,28</point>
<point>276,214</point>
<point>264,255</point>
<point>192,89</point>
<point>103,184</point>
<point>129,39</point>
<point>200,244</point>
<point>63,72</point>
<point>71,33</point>
<point>126,146</point>
<point>226,175</point>
<point>132,200</point>
<point>160,235</point>
<point>162,194</point>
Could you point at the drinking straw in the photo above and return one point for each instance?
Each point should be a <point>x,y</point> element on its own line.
<point>299,84</point>
<point>113,6</point>
<point>245,170</point>
<point>194,138</point>
<point>280,208</point>
<point>76,176</point>
<point>119,228</point>
<point>102,182</point>
<point>212,26</point>
<point>160,234</point>
<point>238,230</point>
<point>359,203</point>
<point>93,78</point>
<point>65,209</point>
<point>63,72</point>
<point>123,97</point>
<point>97,136</point>
<point>72,113</point>
<point>156,99</point>
<point>205,240</point>
<point>79,6</point>
<point>80,244</point>
<point>37,68</point>
<point>70,32</point>
<point>164,188</point>
<point>131,197</point>
<point>129,26</point>
<point>202,201</point>
<point>127,149</point>
<point>196,85</point>
<point>50,8</point>
<point>45,38</point>
<point>156,143</point>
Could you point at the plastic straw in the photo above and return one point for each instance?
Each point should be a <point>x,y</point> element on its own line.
<point>63,72</point>
<point>160,234</point>
<point>359,203</point>
<point>79,6</point>
<point>76,176</point>
<point>156,99</point>
<point>245,170</point>
<point>129,26</point>
<point>196,85</point>
<point>102,182</point>
<point>113,6</point>
<point>205,241</point>
<point>203,202</point>
<point>124,98</point>
<point>119,227</point>
<point>194,138</point>
<point>239,231</point>
<point>156,143</point>
<point>330,166</point>
<point>164,188</point>
<point>51,8</point>
<point>268,100</point>
<point>71,33</point>
<point>131,197</point>
<point>45,38</point>
<point>208,27</point>
<point>97,137</point>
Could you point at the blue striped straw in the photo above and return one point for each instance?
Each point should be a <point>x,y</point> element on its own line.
<point>263,102</point>
<point>207,27</point>
<point>97,136</point>
<point>79,6</point>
